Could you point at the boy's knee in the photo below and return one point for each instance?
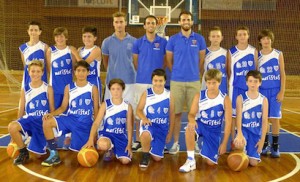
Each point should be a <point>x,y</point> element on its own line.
<point>13,127</point>
<point>253,162</point>
<point>103,145</point>
<point>157,159</point>
<point>124,161</point>
<point>145,135</point>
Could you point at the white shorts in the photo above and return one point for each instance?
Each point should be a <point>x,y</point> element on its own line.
<point>128,93</point>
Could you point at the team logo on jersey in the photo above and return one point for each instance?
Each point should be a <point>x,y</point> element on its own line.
<point>218,66</point>
<point>55,64</point>
<point>238,65</point>
<point>212,113</point>
<point>92,64</point>
<point>262,70</point>
<point>80,102</point>
<point>250,63</point>
<point>258,114</point>
<point>129,46</point>
<point>110,121</point>
<point>156,45</point>
<point>87,101</point>
<point>223,66</point>
<point>244,64</point>
<point>246,115</point>
<point>210,66</point>
<point>44,102</point>
<point>194,42</point>
<point>276,68</point>
<point>73,103</point>
<point>166,110</point>
<point>150,110</point>
<point>253,115</point>
<point>68,61</point>
<point>219,113</point>
<point>31,105</point>
<point>62,64</point>
<point>204,114</point>
<point>269,69</point>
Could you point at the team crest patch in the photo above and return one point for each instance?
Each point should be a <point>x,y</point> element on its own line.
<point>166,110</point>
<point>204,114</point>
<point>262,70</point>
<point>55,64</point>
<point>44,102</point>
<point>258,114</point>
<point>276,68</point>
<point>68,61</point>
<point>31,105</point>
<point>87,101</point>
<point>156,45</point>
<point>238,65</point>
<point>150,110</point>
<point>73,103</point>
<point>129,46</point>
<point>194,42</point>
<point>250,63</point>
<point>219,113</point>
<point>246,115</point>
<point>110,121</point>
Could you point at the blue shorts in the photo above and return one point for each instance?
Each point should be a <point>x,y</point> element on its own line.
<point>274,105</point>
<point>234,92</point>
<point>158,139</point>
<point>251,141</point>
<point>211,142</point>
<point>80,130</point>
<point>58,98</point>
<point>33,126</point>
<point>119,141</point>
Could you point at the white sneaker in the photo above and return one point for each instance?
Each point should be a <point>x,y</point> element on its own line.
<point>174,149</point>
<point>197,149</point>
<point>188,166</point>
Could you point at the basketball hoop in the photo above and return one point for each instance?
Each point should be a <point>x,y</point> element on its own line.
<point>161,25</point>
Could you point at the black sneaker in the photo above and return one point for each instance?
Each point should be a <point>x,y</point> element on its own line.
<point>22,158</point>
<point>145,160</point>
<point>53,159</point>
<point>166,151</point>
<point>136,146</point>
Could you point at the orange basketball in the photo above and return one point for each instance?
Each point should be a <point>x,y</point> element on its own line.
<point>12,150</point>
<point>87,157</point>
<point>237,161</point>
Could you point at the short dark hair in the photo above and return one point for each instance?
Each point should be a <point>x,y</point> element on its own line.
<point>119,14</point>
<point>266,33</point>
<point>254,73</point>
<point>215,28</point>
<point>185,13</point>
<point>117,81</point>
<point>90,29</point>
<point>151,16</point>
<point>159,72</point>
<point>242,28</point>
<point>34,23</point>
<point>82,63</point>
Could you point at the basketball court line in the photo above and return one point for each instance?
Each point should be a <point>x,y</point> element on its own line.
<point>1,112</point>
<point>295,112</point>
<point>37,174</point>
<point>292,173</point>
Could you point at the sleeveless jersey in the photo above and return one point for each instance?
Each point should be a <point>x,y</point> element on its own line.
<point>216,60</point>
<point>94,66</point>
<point>252,113</point>
<point>242,61</point>
<point>35,52</point>
<point>115,118</point>
<point>81,103</point>
<point>61,69</point>
<point>157,108</point>
<point>270,69</point>
<point>36,100</point>
<point>211,111</point>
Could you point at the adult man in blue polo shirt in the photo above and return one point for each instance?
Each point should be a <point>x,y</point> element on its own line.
<point>184,52</point>
<point>117,57</point>
<point>148,54</point>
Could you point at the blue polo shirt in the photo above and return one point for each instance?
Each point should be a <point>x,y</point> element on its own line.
<point>120,63</point>
<point>150,57</point>
<point>186,56</point>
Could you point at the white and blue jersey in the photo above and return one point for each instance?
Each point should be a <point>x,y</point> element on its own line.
<point>94,76</point>
<point>216,60</point>
<point>210,118</point>
<point>60,72</point>
<point>114,127</point>
<point>35,52</point>
<point>36,105</point>
<point>150,57</point>
<point>252,123</point>
<point>269,67</point>
<point>79,117</point>
<point>242,61</point>
<point>120,62</point>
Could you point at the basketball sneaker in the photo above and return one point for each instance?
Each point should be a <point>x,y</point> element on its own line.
<point>136,146</point>
<point>188,166</point>
<point>265,149</point>
<point>53,159</point>
<point>22,158</point>
<point>275,152</point>
<point>166,151</point>
<point>174,149</point>
<point>108,156</point>
<point>145,160</point>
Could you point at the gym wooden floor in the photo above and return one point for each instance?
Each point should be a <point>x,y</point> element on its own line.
<point>285,168</point>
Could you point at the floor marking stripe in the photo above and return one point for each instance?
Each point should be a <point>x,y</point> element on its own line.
<point>37,175</point>
<point>1,112</point>
<point>295,112</point>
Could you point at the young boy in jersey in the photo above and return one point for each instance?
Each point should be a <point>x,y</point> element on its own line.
<point>240,60</point>
<point>91,54</point>
<point>36,100</point>
<point>215,57</point>
<point>34,49</point>
<point>271,66</point>
<point>81,100</point>
<point>210,107</point>
<point>156,110</point>
<point>251,118</point>
<point>115,116</point>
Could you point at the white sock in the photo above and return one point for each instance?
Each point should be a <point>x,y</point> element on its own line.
<point>191,155</point>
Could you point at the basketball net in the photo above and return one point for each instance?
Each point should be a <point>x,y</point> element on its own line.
<point>161,26</point>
